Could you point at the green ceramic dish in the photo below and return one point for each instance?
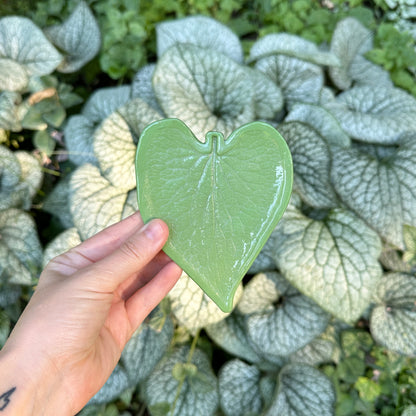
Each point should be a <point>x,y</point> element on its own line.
<point>220,199</point>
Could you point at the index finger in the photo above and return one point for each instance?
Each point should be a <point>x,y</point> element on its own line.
<point>129,258</point>
<point>98,246</point>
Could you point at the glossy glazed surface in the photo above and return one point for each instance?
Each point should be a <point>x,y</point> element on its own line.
<point>221,199</point>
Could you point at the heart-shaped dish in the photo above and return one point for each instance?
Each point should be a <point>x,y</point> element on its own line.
<point>220,199</point>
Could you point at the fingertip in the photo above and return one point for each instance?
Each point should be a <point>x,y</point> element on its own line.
<point>156,229</point>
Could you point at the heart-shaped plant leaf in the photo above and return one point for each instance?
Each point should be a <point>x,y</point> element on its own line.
<point>299,80</point>
<point>9,111</point>
<point>231,335</point>
<point>333,260</point>
<point>95,202</point>
<point>57,202</point>
<point>379,187</point>
<point>20,178</point>
<point>350,41</point>
<point>192,307</point>
<point>311,164</point>
<point>205,89</point>
<point>62,242</point>
<point>80,129</point>
<point>23,42</point>
<point>322,121</point>
<point>220,199</point>
<point>318,351</point>
<point>182,386</point>
<point>114,142</point>
<point>13,76</point>
<point>375,115</point>
<point>20,248</point>
<point>105,101</point>
<point>393,319</point>
<point>279,330</point>
<point>239,388</point>
<point>79,37</point>
<point>302,391</point>
<point>293,46</point>
<point>142,87</point>
<point>202,32</point>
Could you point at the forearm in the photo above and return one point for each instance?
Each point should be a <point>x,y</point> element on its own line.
<point>27,392</point>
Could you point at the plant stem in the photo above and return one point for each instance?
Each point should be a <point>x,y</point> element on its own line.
<point>188,361</point>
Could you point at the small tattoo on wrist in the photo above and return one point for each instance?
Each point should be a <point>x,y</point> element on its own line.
<point>5,398</point>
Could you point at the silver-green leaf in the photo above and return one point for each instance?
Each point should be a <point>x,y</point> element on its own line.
<point>239,387</point>
<point>322,121</point>
<point>80,128</point>
<point>311,164</point>
<point>268,97</point>
<point>4,327</point>
<point>20,248</point>
<point>375,115</point>
<point>333,260</point>
<point>198,391</point>
<point>381,191</point>
<point>264,261</point>
<point>350,41</point>
<point>201,31</point>
<point>95,203</point>
<point>145,349</point>
<point>115,145</point>
<point>23,42</point>
<point>115,150</point>
<point>20,178</point>
<point>300,81</point>
<point>409,410</point>
<point>9,112</point>
<point>192,307</point>
<point>60,244</point>
<point>78,36</point>
<point>303,391</point>
<point>114,386</point>
<point>204,88</point>
<point>79,136</point>
<point>231,335</point>
<point>409,255</point>
<point>13,76</point>
<point>105,101</point>
<point>10,172</point>
<point>138,115</point>
<point>142,87</point>
<point>57,202</point>
<point>393,319</point>
<point>31,177</point>
<point>9,295</point>
<point>131,206</point>
<point>293,46</point>
<point>280,330</point>
<point>317,352</point>
<point>260,293</point>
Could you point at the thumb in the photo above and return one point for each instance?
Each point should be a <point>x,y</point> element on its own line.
<point>130,257</point>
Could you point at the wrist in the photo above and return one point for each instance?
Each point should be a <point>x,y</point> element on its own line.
<point>27,387</point>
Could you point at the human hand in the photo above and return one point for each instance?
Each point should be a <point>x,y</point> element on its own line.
<point>88,303</point>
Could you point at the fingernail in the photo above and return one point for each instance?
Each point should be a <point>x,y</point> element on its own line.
<point>153,230</point>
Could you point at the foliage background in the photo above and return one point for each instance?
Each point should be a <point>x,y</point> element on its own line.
<point>368,378</point>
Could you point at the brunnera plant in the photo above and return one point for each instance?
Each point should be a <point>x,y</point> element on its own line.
<point>341,253</point>
<point>31,100</point>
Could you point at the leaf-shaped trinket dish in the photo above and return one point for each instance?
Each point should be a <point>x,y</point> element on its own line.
<point>220,199</point>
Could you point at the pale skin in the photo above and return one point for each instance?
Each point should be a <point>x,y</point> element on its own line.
<point>88,303</point>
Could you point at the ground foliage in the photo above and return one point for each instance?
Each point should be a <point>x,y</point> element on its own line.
<point>327,310</point>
